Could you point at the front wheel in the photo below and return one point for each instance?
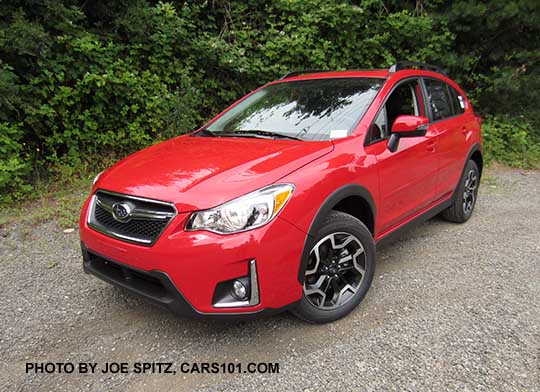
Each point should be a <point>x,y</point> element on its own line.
<point>339,269</point>
<point>466,195</point>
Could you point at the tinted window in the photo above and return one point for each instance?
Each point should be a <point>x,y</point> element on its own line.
<point>439,99</point>
<point>316,109</point>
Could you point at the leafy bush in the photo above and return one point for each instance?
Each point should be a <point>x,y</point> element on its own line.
<point>13,166</point>
<point>84,80</point>
<point>510,140</point>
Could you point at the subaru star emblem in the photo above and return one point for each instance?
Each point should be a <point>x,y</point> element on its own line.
<point>121,211</point>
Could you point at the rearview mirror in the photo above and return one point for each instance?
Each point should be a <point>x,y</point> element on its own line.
<point>407,126</point>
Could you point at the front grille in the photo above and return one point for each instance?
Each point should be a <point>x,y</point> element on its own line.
<point>144,228</point>
<point>144,224</point>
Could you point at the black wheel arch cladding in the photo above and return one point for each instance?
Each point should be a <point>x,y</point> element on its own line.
<point>475,150</point>
<point>331,201</point>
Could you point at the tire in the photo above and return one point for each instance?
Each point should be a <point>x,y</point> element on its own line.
<point>345,248</point>
<point>466,195</point>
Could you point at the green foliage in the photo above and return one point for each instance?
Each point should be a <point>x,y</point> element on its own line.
<point>13,166</point>
<point>84,80</point>
<point>510,140</point>
<point>496,54</point>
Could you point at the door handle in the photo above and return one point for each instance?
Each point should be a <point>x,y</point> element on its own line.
<point>431,146</point>
<point>465,131</point>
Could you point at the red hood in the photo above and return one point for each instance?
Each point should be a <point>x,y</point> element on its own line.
<point>199,172</point>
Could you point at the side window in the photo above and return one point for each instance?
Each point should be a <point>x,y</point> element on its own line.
<point>457,100</point>
<point>379,128</point>
<point>438,99</point>
<point>405,99</point>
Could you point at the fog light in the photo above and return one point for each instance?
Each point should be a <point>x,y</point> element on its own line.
<point>239,291</point>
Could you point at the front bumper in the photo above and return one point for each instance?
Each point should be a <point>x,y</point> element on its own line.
<point>155,287</point>
<point>182,269</point>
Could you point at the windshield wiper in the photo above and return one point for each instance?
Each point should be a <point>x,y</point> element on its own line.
<point>205,132</point>
<point>258,132</point>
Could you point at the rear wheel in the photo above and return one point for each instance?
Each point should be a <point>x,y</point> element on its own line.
<point>466,195</point>
<point>339,269</point>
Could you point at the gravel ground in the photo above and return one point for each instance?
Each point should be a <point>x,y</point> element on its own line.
<point>452,307</point>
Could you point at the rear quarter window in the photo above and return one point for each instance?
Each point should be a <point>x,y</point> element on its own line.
<point>458,101</point>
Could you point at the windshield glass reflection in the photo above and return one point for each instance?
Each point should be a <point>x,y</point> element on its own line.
<point>317,109</point>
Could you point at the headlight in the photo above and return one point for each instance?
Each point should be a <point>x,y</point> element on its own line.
<point>96,178</point>
<point>245,213</point>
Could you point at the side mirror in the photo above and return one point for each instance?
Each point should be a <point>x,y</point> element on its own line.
<point>407,126</point>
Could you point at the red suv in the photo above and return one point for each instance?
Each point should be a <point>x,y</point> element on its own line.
<point>279,202</point>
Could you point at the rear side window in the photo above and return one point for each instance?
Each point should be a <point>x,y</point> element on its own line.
<point>440,102</point>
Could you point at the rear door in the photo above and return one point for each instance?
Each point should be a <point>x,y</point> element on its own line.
<point>446,109</point>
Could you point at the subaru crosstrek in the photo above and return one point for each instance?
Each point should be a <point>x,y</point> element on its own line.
<point>279,201</point>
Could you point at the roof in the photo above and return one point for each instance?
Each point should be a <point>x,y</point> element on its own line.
<point>411,66</point>
<point>376,73</point>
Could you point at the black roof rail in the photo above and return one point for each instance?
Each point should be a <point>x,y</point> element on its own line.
<point>400,65</point>
<point>305,71</point>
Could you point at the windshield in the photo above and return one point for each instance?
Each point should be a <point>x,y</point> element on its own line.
<point>315,109</point>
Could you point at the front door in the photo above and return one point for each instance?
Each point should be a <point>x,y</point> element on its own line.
<point>407,177</point>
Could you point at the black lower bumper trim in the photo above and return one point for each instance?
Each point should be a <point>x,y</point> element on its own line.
<point>156,287</point>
